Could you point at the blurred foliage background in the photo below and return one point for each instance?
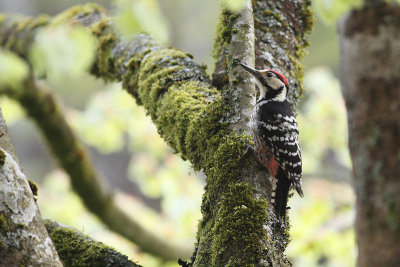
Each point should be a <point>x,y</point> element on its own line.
<point>152,182</point>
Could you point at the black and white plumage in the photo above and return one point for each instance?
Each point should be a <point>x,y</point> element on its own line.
<point>275,135</point>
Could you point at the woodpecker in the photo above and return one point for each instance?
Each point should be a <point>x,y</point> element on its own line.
<point>275,135</point>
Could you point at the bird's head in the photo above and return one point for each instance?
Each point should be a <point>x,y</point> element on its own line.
<point>272,84</point>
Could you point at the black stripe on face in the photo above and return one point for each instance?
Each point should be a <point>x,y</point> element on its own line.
<point>264,82</point>
<point>272,93</point>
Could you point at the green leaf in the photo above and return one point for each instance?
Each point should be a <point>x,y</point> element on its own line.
<point>135,16</point>
<point>233,5</point>
<point>13,70</point>
<point>12,111</point>
<point>62,50</point>
<point>329,11</point>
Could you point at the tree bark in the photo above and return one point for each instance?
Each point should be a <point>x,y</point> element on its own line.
<point>269,34</point>
<point>5,139</point>
<point>42,107</point>
<point>77,249</point>
<point>370,77</point>
<point>23,237</point>
<point>207,125</point>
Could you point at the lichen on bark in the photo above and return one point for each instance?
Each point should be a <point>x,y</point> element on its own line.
<point>23,238</point>
<point>281,30</point>
<point>197,120</point>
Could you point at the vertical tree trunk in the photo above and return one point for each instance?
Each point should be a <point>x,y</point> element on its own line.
<point>370,77</point>
<point>238,226</point>
<point>206,125</point>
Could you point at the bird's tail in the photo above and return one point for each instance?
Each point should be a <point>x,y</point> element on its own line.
<point>280,196</point>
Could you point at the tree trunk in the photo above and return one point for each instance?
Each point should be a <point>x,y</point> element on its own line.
<point>23,237</point>
<point>370,77</point>
<point>207,125</point>
<point>239,226</point>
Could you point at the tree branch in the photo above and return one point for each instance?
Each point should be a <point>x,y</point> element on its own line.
<point>76,249</point>
<point>5,139</point>
<point>23,237</point>
<point>198,121</point>
<point>42,107</point>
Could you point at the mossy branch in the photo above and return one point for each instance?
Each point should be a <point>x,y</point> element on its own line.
<point>77,249</point>
<point>196,119</point>
<point>42,107</point>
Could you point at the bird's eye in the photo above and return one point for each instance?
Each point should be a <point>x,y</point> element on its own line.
<point>269,74</point>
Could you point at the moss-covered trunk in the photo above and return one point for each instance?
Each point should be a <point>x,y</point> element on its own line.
<point>238,226</point>
<point>370,68</point>
<point>206,125</point>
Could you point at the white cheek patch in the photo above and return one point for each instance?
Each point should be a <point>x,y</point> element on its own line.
<point>260,87</point>
<point>275,83</point>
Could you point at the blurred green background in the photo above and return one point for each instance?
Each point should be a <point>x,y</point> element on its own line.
<point>152,182</point>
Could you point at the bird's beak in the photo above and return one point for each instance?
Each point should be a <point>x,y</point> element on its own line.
<point>254,72</point>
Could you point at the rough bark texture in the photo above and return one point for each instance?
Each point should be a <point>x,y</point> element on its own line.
<point>370,76</point>
<point>23,238</point>
<point>281,30</point>
<point>203,124</point>
<point>42,107</point>
<point>5,139</point>
<point>275,31</point>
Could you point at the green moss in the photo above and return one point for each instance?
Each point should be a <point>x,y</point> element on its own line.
<point>188,114</point>
<point>21,34</point>
<point>239,228</point>
<point>104,66</point>
<point>101,27</point>
<point>183,106</point>
<point>3,223</point>
<point>222,166</point>
<point>224,33</point>
<point>34,187</point>
<point>291,39</point>
<point>28,25</point>
<point>75,249</point>
<point>276,15</point>
<point>298,72</point>
<point>159,70</point>
<point>307,17</point>
<point>39,21</point>
<point>78,12</point>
